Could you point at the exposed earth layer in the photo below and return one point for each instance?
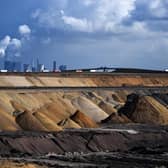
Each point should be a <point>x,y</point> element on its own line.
<point>55,111</point>
<point>80,79</point>
<point>99,128</point>
<point>116,146</point>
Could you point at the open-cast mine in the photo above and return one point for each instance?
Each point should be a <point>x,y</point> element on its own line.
<point>84,120</point>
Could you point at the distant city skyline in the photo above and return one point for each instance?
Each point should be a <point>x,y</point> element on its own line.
<point>85,33</point>
<point>10,65</point>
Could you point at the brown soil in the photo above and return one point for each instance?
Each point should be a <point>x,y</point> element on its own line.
<point>83,120</point>
<point>150,111</point>
<point>29,123</point>
<point>114,118</point>
<point>49,124</point>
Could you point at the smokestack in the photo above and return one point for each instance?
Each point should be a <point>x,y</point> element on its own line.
<point>54,66</point>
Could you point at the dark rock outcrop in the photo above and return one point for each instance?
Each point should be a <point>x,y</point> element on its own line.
<point>130,105</point>
<point>85,140</point>
<point>119,146</point>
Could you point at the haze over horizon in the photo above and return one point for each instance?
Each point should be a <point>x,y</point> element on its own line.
<point>86,33</point>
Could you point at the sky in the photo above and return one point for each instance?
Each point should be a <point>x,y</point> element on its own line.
<point>86,33</point>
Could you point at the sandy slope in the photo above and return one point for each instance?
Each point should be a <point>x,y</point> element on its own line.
<point>59,110</point>
<point>54,111</point>
<point>89,108</point>
<point>149,110</point>
<point>92,80</point>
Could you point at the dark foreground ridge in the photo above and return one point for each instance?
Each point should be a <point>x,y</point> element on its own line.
<point>117,145</point>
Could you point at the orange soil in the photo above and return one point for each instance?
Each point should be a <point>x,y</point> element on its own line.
<point>83,120</point>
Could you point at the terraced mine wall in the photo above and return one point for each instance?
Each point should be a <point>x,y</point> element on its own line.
<point>95,127</point>
<point>83,79</point>
<point>56,110</point>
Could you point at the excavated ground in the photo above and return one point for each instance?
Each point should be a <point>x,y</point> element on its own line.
<point>97,140</point>
<point>114,146</point>
<point>96,128</point>
<point>82,79</point>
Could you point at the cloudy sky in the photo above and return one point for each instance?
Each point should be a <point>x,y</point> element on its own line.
<point>86,33</point>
